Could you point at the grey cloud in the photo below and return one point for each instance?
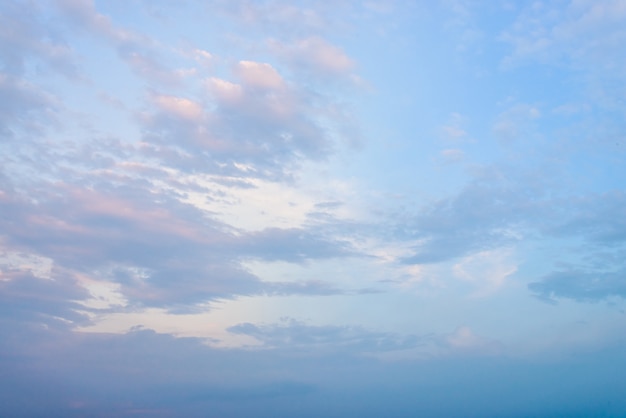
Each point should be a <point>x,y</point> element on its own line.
<point>161,251</point>
<point>294,245</point>
<point>487,213</point>
<point>308,287</point>
<point>25,299</point>
<point>302,19</point>
<point>313,288</point>
<point>139,373</point>
<point>584,36</point>
<point>597,222</point>
<point>297,335</point>
<point>29,42</point>
<point>581,286</point>
<point>501,207</point>
<point>516,123</point>
<point>491,213</point>
<point>27,36</point>
<point>599,218</point>
<point>329,205</point>
<point>24,107</point>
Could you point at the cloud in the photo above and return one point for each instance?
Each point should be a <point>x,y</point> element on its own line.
<point>584,34</point>
<point>487,270</point>
<point>305,287</point>
<point>51,302</point>
<point>581,40</point>
<point>581,286</point>
<point>24,107</point>
<point>283,18</point>
<point>160,251</point>
<point>30,43</point>
<point>292,245</point>
<point>215,190</point>
<point>596,217</point>
<point>112,211</point>
<point>225,91</point>
<point>259,75</point>
<point>516,123</point>
<point>292,334</point>
<point>140,373</point>
<point>595,270</point>
<point>139,51</point>
<point>479,227</point>
<point>315,56</point>
<point>464,340</point>
<point>488,213</point>
<point>27,37</point>
<point>262,124</point>
<point>179,107</point>
<point>453,155</point>
<point>462,20</point>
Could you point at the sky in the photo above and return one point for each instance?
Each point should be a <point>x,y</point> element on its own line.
<point>272,208</point>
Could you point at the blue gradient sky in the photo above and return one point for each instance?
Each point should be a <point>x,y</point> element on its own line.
<point>321,209</point>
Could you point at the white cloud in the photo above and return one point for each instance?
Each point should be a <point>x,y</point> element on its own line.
<point>225,91</point>
<point>38,266</point>
<point>202,56</point>
<point>259,203</point>
<point>104,295</point>
<point>486,270</point>
<point>259,75</point>
<point>262,204</point>
<point>179,106</point>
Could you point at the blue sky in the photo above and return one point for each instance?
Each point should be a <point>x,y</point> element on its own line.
<point>326,209</point>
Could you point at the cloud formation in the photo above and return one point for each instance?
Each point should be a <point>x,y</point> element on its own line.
<point>582,286</point>
<point>295,335</point>
<point>202,209</point>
